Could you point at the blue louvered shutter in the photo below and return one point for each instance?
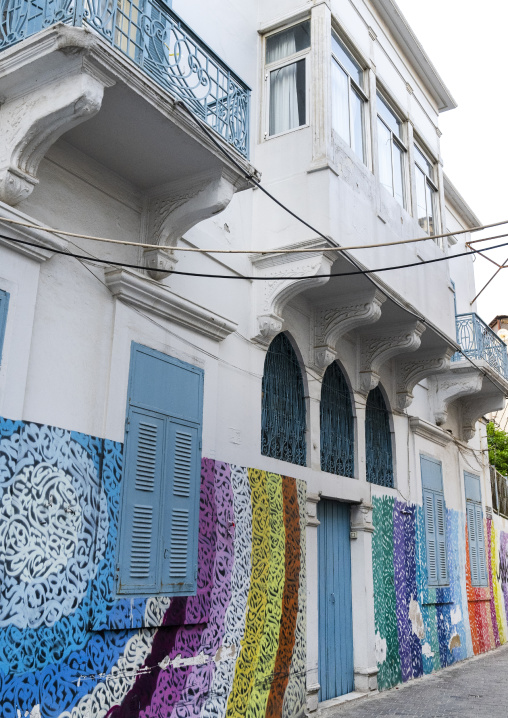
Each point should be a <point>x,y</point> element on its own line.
<point>4,304</point>
<point>179,544</point>
<point>473,543</point>
<point>482,559</point>
<point>434,509</point>
<point>441,559</point>
<point>475,533</point>
<point>430,536</point>
<point>139,552</point>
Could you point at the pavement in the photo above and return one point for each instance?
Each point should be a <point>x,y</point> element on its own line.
<point>475,688</point>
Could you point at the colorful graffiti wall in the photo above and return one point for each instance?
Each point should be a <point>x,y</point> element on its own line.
<point>421,629</point>
<point>69,649</point>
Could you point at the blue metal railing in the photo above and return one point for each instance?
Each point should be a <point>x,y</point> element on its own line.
<point>154,38</point>
<point>478,341</point>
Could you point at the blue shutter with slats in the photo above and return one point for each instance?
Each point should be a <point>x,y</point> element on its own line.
<point>430,534</point>
<point>179,549</point>
<point>434,509</point>
<point>160,512</point>
<point>141,502</point>
<point>475,533</point>
<point>4,304</point>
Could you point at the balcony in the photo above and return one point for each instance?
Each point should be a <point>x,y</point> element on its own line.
<point>153,37</point>
<point>478,341</point>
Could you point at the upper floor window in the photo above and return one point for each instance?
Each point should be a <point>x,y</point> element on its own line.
<point>4,304</point>
<point>286,58</point>
<point>475,533</point>
<point>426,192</point>
<point>378,440</point>
<point>157,549</point>
<point>391,150</point>
<point>434,511</point>
<point>283,404</point>
<point>337,424</point>
<point>348,97</point>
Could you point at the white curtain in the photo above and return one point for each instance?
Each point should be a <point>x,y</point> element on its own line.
<point>283,87</point>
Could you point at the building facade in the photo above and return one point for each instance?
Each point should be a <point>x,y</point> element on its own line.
<point>242,465</point>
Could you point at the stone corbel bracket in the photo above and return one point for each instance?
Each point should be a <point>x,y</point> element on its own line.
<point>474,408</point>
<point>379,347</point>
<point>36,116</point>
<point>288,275</point>
<point>173,209</point>
<point>448,387</point>
<point>331,323</point>
<point>409,372</point>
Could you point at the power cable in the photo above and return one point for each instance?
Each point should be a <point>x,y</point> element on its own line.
<point>204,275</point>
<point>287,250</point>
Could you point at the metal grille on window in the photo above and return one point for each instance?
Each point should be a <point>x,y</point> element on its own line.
<point>283,405</point>
<point>378,440</point>
<point>337,428</point>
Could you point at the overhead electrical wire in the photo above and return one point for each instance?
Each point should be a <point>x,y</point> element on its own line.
<point>280,250</point>
<point>281,278</point>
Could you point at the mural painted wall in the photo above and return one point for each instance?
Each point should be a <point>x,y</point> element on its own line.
<point>421,629</point>
<point>68,649</point>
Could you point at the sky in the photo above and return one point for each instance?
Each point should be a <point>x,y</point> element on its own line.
<point>467,43</point>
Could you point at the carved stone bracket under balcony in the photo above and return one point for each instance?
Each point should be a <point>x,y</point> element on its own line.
<point>409,371</point>
<point>450,386</point>
<point>34,116</point>
<point>332,322</point>
<point>175,208</point>
<point>289,275</point>
<point>379,347</point>
<point>473,409</point>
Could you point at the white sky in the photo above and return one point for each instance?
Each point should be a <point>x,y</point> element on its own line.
<point>466,42</point>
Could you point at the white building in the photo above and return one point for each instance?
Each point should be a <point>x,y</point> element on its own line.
<point>327,548</point>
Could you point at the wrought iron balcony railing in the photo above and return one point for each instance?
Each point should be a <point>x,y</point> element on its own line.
<point>478,341</point>
<point>155,39</point>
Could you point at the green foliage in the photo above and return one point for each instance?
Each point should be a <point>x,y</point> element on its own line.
<point>497,441</point>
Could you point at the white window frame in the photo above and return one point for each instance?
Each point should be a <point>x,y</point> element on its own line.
<point>401,143</point>
<point>355,87</point>
<point>270,67</point>
<point>428,181</point>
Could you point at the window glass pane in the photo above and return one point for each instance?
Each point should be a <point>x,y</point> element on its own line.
<point>287,97</point>
<point>423,162</point>
<point>385,156</point>
<point>346,59</point>
<point>389,116</point>
<point>286,43</point>
<point>357,124</point>
<point>340,102</point>
<point>430,208</point>
<point>421,199</point>
<point>398,174</point>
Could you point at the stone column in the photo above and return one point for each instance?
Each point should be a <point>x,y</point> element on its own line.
<point>312,603</point>
<point>365,665</point>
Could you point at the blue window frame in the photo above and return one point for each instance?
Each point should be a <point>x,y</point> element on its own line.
<point>283,404</point>
<point>337,424</point>
<point>378,440</point>
<point>4,305</point>
<point>475,532</point>
<point>434,510</point>
<point>157,551</point>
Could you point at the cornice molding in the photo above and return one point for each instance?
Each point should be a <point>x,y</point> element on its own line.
<point>429,431</point>
<point>154,298</point>
<point>45,242</point>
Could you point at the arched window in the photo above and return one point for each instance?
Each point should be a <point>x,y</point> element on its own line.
<point>283,407</point>
<point>378,440</point>
<point>337,428</point>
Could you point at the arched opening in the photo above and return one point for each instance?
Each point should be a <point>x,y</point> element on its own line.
<point>283,404</point>
<point>378,440</point>
<point>337,424</point>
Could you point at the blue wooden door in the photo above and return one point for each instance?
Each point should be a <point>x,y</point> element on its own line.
<point>336,670</point>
